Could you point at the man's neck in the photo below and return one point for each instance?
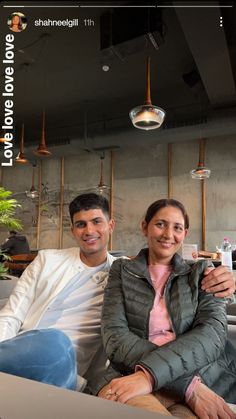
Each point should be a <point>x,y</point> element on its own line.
<point>93,259</point>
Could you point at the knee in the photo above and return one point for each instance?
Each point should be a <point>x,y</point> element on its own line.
<point>56,343</point>
<point>53,335</point>
<point>49,337</point>
<point>53,338</point>
<point>60,357</point>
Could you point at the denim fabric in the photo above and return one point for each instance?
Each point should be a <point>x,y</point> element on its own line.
<point>44,355</point>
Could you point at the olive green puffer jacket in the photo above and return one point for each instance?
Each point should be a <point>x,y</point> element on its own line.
<point>198,320</point>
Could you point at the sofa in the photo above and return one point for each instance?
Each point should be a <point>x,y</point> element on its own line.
<point>7,285</point>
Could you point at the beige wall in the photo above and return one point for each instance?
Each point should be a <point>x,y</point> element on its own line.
<point>140,177</point>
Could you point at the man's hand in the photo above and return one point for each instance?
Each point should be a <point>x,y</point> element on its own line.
<point>219,281</point>
<point>207,405</point>
<point>124,388</point>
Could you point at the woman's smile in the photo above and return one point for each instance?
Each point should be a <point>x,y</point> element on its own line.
<point>165,244</point>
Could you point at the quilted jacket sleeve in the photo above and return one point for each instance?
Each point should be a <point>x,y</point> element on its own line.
<point>180,358</point>
<point>194,349</point>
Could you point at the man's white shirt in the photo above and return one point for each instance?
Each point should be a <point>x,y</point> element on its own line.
<point>77,312</point>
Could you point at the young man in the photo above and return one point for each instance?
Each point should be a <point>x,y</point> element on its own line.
<point>57,302</point>
<point>53,315</point>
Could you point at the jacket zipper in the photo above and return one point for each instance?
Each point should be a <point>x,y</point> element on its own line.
<point>150,285</point>
<point>167,303</point>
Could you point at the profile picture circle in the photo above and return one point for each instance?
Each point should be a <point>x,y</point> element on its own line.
<point>17,22</point>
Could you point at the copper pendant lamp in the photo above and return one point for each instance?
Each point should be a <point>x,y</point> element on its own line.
<point>147,116</point>
<point>2,137</point>
<point>201,172</point>
<point>101,186</point>
<point>20,158</point>
<point>32,193</point>
<point>42,150</point>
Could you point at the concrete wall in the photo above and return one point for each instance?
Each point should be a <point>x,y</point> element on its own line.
<point>140,177</point>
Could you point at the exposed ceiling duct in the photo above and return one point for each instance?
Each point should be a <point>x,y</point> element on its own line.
<point>126,31</point>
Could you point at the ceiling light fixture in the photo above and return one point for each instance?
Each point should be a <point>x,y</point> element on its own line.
<point>42,150</point>
<point>105,67</point>
<point>20,158</point>
<point>201,172</point>
<point>32,193</point>
<point>147,116</point>
<point>101,186</point>
<point>2,137</point>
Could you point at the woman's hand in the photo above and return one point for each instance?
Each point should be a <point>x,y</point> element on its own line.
<point>208,405</point>
<point>219,281</point>
<point>124,388</point>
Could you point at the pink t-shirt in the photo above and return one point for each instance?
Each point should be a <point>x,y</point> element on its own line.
<point>160,329</point>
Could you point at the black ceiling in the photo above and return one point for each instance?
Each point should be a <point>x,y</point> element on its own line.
<point>193,64</point>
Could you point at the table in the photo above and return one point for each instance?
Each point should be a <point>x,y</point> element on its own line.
<point>26,399</point>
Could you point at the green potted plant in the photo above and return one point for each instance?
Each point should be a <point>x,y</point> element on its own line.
<point>8,207</point>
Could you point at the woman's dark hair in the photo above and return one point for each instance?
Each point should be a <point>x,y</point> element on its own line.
<point>89,201</point>
<point>162,203</point>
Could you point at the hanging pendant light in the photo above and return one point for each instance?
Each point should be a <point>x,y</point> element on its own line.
<point>32,193</point>
<point>2,137</point>
<point>42,150</point>
<point>201,172</point>
<point>20,158</point>
<point>101,186</point>
<point>147,116</point>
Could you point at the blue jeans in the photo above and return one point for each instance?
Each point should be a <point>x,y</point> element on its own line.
<point>45,355</point>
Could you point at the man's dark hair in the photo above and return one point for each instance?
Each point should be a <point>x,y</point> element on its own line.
<point>89,201</point>
<point>13,232</point>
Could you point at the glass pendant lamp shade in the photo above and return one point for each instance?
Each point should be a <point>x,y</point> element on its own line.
<point>20,158</point>
<point>32,193</point>
<point>201,172</point>
<point>147,116</point>
<point>101,186</point>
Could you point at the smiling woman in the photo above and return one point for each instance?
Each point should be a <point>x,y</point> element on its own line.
<point>161,331</point>
<point>165,226</point>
